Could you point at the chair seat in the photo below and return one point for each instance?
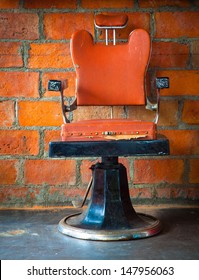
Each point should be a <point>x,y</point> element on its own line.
<point>105,129</point>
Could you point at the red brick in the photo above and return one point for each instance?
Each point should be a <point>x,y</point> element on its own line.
<point>49,55</point>
<point>176,24</point>
<point>177,193</point>
<point>169,54</point>
<point>158,171</point>
<point>6,113</point>
<point>19,84</point>
<point>85,170</point>
<point>51,135</point>
<point>62,26</point>
<point>40,113</point>
<point>141,193</point>
<point>167,117</point>
<point>14,196</point>
<point>62,196</point>
<point>182,142</point>
<point>91,112</point>
<point>9,4</point>
<point>182,82</point>
<point>10,54</point>
<point>195,53</point>
<point>8,172</point>
<point>119,112</point>
<point>190,113</point>
<point>193,193</point>
<point>163,3</point>
<point>67,78</point>
<point>194,171</point>
<point>50,172</point>
<point>19,26</point>
<point>50,4</point>
<point>19,142</point>
<point>107,4</point>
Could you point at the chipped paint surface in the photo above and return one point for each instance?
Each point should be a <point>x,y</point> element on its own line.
<point>11,233</point>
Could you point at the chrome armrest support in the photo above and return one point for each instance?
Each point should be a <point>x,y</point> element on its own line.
<point>161,82</point>
<point>54,85</point>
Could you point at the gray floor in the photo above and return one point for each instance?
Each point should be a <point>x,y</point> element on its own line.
<point>34,235</point>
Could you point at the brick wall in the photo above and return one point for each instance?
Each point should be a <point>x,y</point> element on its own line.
<point>34,47</point>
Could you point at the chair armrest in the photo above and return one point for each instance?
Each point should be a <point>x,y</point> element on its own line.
<point>55,85</point>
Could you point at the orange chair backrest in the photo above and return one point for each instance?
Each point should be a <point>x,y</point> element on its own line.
<point>110,75</point>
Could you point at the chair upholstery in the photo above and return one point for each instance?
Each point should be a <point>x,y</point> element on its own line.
<point>110,75</point>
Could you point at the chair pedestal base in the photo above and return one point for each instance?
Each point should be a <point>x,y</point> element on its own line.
<point>110,214</point>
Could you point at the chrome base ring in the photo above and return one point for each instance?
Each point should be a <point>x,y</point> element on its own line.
<point>152,227</point>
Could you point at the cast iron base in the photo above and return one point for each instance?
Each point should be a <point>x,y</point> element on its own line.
<point>110,214</point>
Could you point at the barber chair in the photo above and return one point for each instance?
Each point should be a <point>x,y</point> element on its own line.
<point>109,75</point>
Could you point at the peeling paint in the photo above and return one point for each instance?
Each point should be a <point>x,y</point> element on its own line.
<point>11,233</point>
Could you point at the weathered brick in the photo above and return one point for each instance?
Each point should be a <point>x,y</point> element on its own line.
<point>182,82</point>
<point>10,54</point>
<point>182,142</point>
<point>91,112</point>
<point>50,4</point>
<point>194,171</point>
<point>9,4</point>
<point>107,4</point>
<point>169,54</point>
<point>49,55</point>
<point>19,142</point>
<point>85,170</point>
<point>40,113</point>
<point>60,196</point>
<point>14,196</point>
<point>19,26</point>
<point>49,136</point>
<point>62,26</point>
<point>8,171</point>
<point>158,171</point>
<point>177,193</point>
<point>176,24</point>
<point>168,113</point>
<point>67,78</point>
<point>19,84</point>
<point>190,113</point>
<point>193,193</point>
<point>6,113</point>
<point>163,3</point>
<point>54,172</point>
<point>195,54</point>
<point>119,112</point>
<point>141,193</point>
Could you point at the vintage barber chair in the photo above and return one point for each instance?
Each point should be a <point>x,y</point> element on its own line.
<point>109,75</point>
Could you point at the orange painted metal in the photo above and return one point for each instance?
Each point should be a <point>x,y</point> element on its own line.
<point>113,74</point>
<point>111,20</point>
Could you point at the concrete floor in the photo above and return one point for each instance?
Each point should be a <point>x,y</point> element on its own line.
<point>33,235</point>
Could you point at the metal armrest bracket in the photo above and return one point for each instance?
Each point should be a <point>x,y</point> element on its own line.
<point>161,83</point>
<point>55,85</point>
